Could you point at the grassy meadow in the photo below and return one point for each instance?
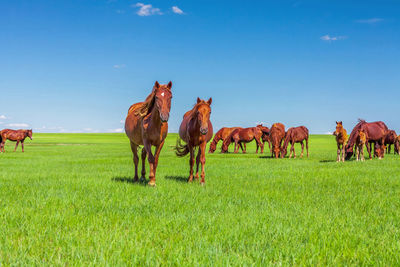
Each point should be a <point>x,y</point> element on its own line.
<point>69,200</point>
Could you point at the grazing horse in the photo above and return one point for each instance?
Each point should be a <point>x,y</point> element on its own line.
<point>243,136</point>
<point>265,137</point>
<point>147,124</point>
<point>196,130</point>
<point>341,140</point>
<point>222,134</point>
<point>276,135</point>
<point>376,133</point>
<point>390,140</point>
<point>15,136</point>
<point>397,145</point>
<point>360,143</point>
<point>295,135</point>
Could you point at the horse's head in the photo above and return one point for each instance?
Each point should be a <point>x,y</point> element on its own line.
<point>203,112</point>
<point>276,150</point>
<point>363,137</point>
<point>225,146</point>
<point>29,134</point>
<point>339,128</point>
<point>213,147</point>
<point>163,97</point>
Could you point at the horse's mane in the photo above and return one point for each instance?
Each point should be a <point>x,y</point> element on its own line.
<point>144,108</point>
<point>191,112</point>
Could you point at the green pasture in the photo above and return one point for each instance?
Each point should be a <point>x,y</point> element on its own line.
<point>69,200</point>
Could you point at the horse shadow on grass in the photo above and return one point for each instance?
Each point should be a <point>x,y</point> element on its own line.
<point>327,160</point>
<point>128,180</point>
<point>178,178</point>
<point>265,157</point>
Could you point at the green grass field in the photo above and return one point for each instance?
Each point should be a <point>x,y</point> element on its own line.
<point>68,201</point>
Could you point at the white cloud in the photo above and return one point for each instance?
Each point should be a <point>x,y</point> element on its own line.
<point>17,125</point>
<point>328,38</point>
<point>118,130</point>
<point>330,133</point>
<point>177,10</point>
<point>147,10</point>
<point>2,117</point>
<point>369,21</point>
<point>119,66</point>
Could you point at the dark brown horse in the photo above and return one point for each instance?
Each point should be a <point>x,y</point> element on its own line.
<point>295,135</point>
<point>15,136</point>
<point>222,134</point>
<point>276,135</point>
<point>375,132</point>
<point>397,145</point>
<point>390,140</point>
<point>265,137</point>
<point>243,136</point>
<point>195,130</point>
<point>147,125</point>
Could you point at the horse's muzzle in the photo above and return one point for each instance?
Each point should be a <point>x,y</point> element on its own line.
<point>203,131</point>
<point>164,117</point>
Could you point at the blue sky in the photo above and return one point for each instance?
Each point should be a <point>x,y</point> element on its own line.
<point>77,66</point>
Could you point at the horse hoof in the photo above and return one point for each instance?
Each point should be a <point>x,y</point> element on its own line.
<point>152,183</point>
<point>202,183</point>
<point>142,179</point>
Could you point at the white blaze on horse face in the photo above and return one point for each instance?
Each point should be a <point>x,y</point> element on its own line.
<point>162,94</point>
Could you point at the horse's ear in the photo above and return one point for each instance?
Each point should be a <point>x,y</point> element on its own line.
<point>156,85</point>
<point>337,122</point>
<point>209,101</point>
<point>169,85</point>
<point>198,100</point>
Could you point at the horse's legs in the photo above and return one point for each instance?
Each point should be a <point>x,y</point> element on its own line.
<point>338,152</point>
<point>197,165</point>
<point>369,146</point>
<point>292,147</point>
<point>259,144</point>
<point>156,156</point>
<point>135,160</point>
<point>343,154</point>
<point>16,146</point>
<point>362,153</point>
<point>151,159</point>
<point>241,147</point>
<point>22,145</point>
<point>307,146</point>
<point>302,149</point>
<point>202,150</point>
<point>245,148</point>
<point>357,153</point>
<point>143,176</point>
<point>191,162</point>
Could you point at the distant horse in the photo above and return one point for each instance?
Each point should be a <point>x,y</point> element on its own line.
<point>341,140</point>
<point>397,145</point>
<point>376,133</point>
<point>276,135</point>
<point>15,136</point>
<point>360,143</point>
<point>147,124</point>
<point>222,134</point>
<point>243,136</point>
<point>390,140</point>
<point>265,137</point>
<point>196,130</point>
<point>295,135</point>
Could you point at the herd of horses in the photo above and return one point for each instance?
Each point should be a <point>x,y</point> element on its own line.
<point>147,125</point>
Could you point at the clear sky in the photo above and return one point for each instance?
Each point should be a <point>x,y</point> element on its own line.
<point>77,66</point>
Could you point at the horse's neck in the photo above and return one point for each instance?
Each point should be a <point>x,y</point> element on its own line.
<point>155,120</point>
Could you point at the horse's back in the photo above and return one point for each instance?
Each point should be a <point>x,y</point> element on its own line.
<point>133,125</point>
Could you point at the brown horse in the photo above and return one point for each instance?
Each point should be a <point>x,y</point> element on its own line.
<point>390,140</point>
<point>222,134</point>
<point>265,137</point>
<point>360,143</point>
<point>295,135</point>
<point>15,136</point>
<point>276,135</point>
<point>376,133</point>
<point>243,136</point>
<point>196,130</point>
<point>341,140</point>
<point>397,145</point>
<point>147,125</point>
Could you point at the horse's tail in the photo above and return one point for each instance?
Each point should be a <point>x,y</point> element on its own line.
<point>181,149</point>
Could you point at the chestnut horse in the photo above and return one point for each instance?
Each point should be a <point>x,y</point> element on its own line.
<point>222,134</point>
<point>196,130</point>
<point>295,135</point>
<point>360,143</point>
<point>276,135</point>
<point>341,140</point>
<point>397,145</point>
<point>15,136</point>
<point>265,137</point>
<point>390,140</point>
<point>243,136</point>
<point>147,124</point>
<point>376,133</point>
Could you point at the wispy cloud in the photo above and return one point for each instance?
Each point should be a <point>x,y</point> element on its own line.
<point>17,125</point>
<point>122,121</point>
<point>329,38</point>
<point>3,117</point>
<point>370,21</point>
<point>118,130</point>
<point>177,10</point>
<point>120,11</point>
<point>119,66</point>
<point>147,10</point>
